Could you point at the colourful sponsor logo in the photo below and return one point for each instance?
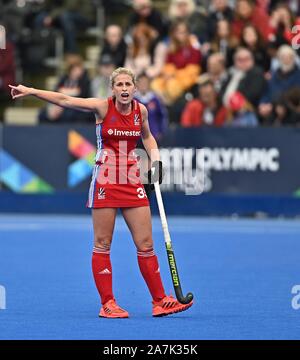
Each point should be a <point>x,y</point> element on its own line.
<point>19,178</point>
<point>85,152</point>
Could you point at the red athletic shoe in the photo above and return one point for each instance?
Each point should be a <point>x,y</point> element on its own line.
<point>112,310</point>
<point>168,305</point>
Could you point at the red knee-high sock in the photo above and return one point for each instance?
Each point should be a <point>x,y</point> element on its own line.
<point>102,272</point>
<point>149,267</point>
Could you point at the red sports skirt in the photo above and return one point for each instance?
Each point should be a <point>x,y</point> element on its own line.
<point>106,192</point>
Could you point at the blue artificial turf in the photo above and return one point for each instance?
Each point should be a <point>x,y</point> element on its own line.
<point>240,271</point>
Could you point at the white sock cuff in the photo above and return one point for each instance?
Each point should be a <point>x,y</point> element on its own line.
<point>147,253</point>
<point>98,250</point>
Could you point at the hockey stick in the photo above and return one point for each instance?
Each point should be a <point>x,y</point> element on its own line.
<point>170,252</point>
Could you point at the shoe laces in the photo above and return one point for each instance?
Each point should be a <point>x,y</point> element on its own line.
<point>113,306</point>
<point>167,302</point>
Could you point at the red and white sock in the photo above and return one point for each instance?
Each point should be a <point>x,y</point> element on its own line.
<point>102,272</point>
<point>149,267</point>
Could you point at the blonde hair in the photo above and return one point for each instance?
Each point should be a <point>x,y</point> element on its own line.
<point>137,4</point>
<point>119,71</point>
<point>173,8</point>
<point>285,50</point>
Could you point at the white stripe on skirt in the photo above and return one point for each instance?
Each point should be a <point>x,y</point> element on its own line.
<point>93,185</point>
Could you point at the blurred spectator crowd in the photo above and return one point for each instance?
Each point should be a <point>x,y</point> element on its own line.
<point>198,62</point>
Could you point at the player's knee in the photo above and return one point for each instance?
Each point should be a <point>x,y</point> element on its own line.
<point>145,244</point>
<point>103,242</point>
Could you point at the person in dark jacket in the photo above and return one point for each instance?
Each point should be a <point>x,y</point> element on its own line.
<point>287,108</point>
<point>220,11</point>
<point>143,11</point>
<point>252,40</point>
<point>245,77</point>
<point>114,45</point>
<point>68,16</point>
<point>286,77</point>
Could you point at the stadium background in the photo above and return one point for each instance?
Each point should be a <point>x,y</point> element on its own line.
<point>37,59</point>
<point>46,164</point>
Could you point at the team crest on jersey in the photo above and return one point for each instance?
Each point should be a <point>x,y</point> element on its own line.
<point>136,120</point>
<point>101,194</point>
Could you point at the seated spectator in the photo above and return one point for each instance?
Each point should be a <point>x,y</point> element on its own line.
<point>114,7</point>
<point>253,41</point>
<point>206,110</point>
<point>157,113</point>
<point>74,83</point>
<point>294,5</point>
<point>282,21</point>
<point>12,18</point>
<point>144,12</point>
<point>7,74</point>
<point>241,112</point>
<point>182,65</point>
<point>100,85</point>
<point>216,69</point>
<point>220,11</point>
<point>68,16</point>
<point>286,77</point>
<point>245,77</point>
<point>186,10</point>
<point>216,72</point>
<point>224,41</point>
<point>144,54</point>
<point>114,45</point>
<point>263,4</point>
<point>247,12</point>
<point>287,109</point>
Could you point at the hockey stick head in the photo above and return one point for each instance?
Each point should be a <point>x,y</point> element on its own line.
<point>183,299</point>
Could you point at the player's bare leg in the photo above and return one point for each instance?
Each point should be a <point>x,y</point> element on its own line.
<point>139,223</point>
<point>103,223</point>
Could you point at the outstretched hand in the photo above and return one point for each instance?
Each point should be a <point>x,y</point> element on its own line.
<point>19,91</point>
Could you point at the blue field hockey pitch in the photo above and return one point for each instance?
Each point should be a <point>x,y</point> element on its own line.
<point>241,273</point>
